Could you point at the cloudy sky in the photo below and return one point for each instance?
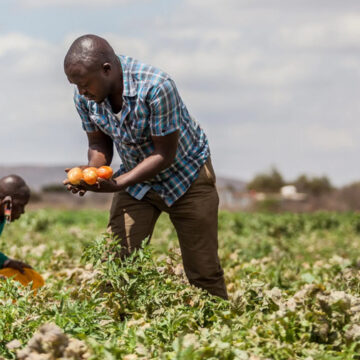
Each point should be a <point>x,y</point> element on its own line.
<point>273,82</point>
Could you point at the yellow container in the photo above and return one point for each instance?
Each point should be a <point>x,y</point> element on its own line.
<point>26,278</point>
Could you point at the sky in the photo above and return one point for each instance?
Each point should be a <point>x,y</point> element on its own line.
<point>272,82</point>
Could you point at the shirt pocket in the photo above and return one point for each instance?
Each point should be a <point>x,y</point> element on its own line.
<point>139,133</point>
<point>103,123</point>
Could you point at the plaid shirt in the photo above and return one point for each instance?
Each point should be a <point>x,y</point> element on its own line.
<point>151,106</point>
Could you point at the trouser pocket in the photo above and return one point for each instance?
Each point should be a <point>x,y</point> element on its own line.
<point>209,171</point>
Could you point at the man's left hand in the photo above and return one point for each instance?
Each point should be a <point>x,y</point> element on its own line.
<point>101,186</point>
<point>16,264</point>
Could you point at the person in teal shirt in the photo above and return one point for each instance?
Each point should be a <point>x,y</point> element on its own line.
<point>14,196</point>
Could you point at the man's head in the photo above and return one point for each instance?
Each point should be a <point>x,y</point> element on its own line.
<point>91,64</point>
<point>13,189</point>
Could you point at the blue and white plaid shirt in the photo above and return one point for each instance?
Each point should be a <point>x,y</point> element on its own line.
<point>151,106</point>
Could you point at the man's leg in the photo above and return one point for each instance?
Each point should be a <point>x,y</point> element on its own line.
<point>195,217</point>
<point>131,221</point>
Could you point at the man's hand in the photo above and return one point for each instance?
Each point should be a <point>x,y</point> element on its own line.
<point>17,265</point>
<point>75,188</point>
<point>101,186</point>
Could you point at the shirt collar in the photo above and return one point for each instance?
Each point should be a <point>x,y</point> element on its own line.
<point>128,91</point>
<point>129,84</point>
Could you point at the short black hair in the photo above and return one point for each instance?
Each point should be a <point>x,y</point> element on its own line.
<point>92,51</point>
<point>14,186</point>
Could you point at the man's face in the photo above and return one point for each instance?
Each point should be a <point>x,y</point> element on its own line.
<point>18,209</point>
<point>94,85</point>
<point>18,205</point>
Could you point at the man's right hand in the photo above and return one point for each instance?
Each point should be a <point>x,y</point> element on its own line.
<point>75,188</point>
<point>100,153</point>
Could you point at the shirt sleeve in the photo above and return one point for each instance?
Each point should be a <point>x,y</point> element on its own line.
<point>3,258</point>
<point>82,109</point>
<point>165,109</point>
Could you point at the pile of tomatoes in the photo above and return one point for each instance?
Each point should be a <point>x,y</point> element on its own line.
<point>90,174</point>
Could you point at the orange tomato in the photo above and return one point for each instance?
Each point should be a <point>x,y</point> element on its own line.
<point>104,172</point>
<point>90,176</point>
<point>75,175</point>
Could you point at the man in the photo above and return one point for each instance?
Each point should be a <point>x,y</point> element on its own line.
<point>14,195</point>
<point>165,155</point>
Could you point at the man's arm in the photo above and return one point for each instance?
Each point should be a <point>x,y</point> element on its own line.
<point>165,119</point>
<point>162,157</point>
<point>100,150</point>
<point>164,153</point>
<point>100,145</point>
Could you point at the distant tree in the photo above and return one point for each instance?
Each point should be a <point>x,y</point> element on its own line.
<point>58,188</point>
<point>350,194</point>
<point>313,185</point>
<point>35,196</point>
<point>267,182</point>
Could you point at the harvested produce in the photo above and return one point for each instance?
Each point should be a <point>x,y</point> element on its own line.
<point>104,172</point>
<point>75,175</point>
<point>90,175</point>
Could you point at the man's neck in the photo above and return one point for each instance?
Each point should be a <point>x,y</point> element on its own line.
<point>116,95</point>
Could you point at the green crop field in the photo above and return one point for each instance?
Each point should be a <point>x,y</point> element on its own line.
<point>293,282</point>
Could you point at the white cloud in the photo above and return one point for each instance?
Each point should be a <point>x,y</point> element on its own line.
<point>127,45</point>
<point>17,42</point>
<point>339,31</point>
<point>70,3</point>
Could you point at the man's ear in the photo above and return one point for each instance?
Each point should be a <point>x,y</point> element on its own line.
<point>106,67</point>
<point>6,199</point>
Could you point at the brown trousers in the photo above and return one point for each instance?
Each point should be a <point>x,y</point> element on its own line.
<point>195,217</point>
